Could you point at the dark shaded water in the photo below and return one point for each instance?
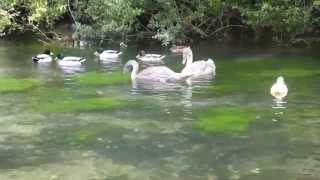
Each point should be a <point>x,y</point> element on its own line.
<point>57,127</point>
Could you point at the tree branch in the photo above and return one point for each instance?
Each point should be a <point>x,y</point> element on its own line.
<point>225,27</point>
<point>69,9</point>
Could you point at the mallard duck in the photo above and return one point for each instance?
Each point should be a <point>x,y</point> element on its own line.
<point>69,60</point>
<point>107,54</point>
<point>160,74</point>
<point>45,57</point>
<point>279,89</point>
<point>150,58</point>
<point>123,45</point>
<point>198,68</point>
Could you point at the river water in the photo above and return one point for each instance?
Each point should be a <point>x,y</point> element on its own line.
<point>62,123</point>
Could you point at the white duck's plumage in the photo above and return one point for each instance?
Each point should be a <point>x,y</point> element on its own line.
<point>108,54</point>
<point>70,61</point>
<point>45,57</point>
<point>155,74</point>
<point>197,68</point>
<point>150,58</point>
<point>42,58</point>
<point>279,89</point>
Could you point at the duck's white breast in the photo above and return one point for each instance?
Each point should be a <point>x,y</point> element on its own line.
<point>279,90</point>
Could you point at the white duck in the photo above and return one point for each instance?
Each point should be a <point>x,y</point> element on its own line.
<point>69,60</point>
<point>107,54</point>
<point>160,74</point>
<point>198,68</point>
<point>150,58</point>
<point>279,89</point>
<point>45,57</point>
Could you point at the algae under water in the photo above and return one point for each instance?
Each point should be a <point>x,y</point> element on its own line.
<point>91,124</point>
<point>226,119</point>
<point>8,85</point>
<point>103,78</point>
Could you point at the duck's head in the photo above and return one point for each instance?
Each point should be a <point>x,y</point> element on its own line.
<point>48,52</point>
<point>98,52</point>
<point>280,79</point>
<point>59,56</point>
<point>142,53</point>
<point>123,45</point>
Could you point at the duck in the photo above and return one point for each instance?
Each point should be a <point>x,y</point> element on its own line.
<point>44,57</point>
<point>107,54</point>
<point>69,60</point>
<point>123,45</point>
<point>150,58</point>
<point>198,68</point>
<point>160,74</point>
<point>279,89</point>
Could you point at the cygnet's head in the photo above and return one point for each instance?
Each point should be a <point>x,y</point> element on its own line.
<point>280,79</point>
<point>211,62</point>
<point>129,66</point>
<point>186,55</point>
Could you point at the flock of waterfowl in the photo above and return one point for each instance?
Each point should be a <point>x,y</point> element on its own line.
<point>160,73</point>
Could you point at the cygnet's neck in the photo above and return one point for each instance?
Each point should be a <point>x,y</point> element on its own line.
<point>135,68</point>
<point>188,55</point>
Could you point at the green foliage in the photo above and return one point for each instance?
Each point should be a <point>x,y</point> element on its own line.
<point>4,19</point>
<point>225,119</point>
<point>16,85</point>
<point>175,20</point>
<point>286,21</point>
<point>22,15</point>
<point>107,17</point>
<point>169,21</point>
<point>102,78</point>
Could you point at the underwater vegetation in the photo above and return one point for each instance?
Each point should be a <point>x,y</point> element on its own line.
<point>224,119</point>
<point>87,134</point>
<point>77,105</point>
<point>103,78</point>
<point>8,85</point>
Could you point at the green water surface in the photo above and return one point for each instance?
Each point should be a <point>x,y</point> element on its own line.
<point>88,122</point>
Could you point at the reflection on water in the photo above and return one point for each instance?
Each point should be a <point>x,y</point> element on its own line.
<point>279,104</point>
<point>72,69</point>
<point>62,129</point>
<point>110,64</point>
